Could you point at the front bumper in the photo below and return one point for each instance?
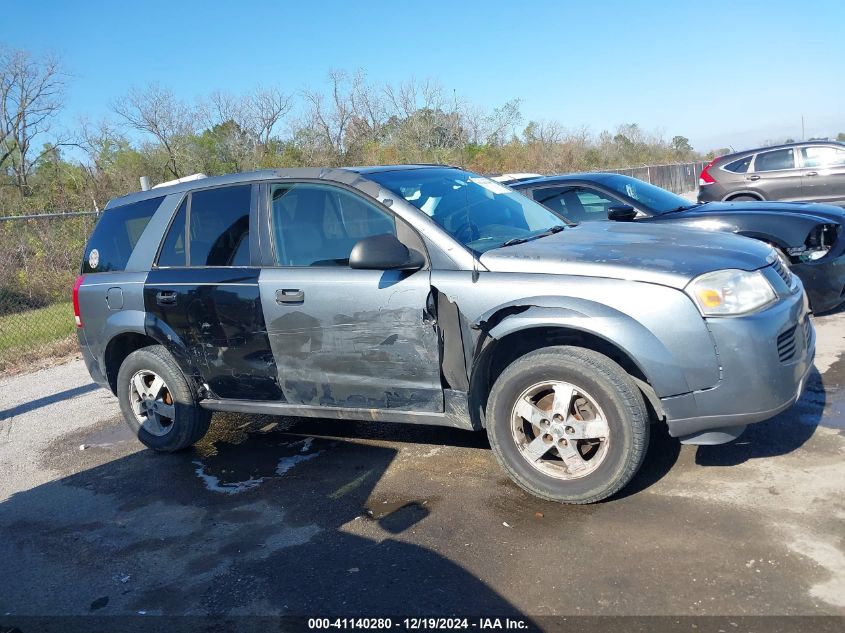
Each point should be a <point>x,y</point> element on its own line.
<point>759,377</point>
<point>824,280</point>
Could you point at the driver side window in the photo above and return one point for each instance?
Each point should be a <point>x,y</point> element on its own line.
<point>578,204</point>
<point>317,225</point>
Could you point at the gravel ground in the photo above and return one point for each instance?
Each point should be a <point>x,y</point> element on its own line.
<point>291,516</point>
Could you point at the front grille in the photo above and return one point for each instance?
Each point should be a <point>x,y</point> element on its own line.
<point>786,344</point>
<point>783,271</point>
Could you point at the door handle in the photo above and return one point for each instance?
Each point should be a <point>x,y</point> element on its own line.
<point>812,173</point>
<point>166,298</point>
<point>290,295</point>
<point>754,178</point>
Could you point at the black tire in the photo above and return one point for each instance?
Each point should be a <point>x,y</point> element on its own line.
<point>615,393</point>
<point>190,422</point>
<point>744,199</point>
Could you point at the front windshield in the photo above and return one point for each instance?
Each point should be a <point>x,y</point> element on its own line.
<point>478,212</point>
<point>655,199</point>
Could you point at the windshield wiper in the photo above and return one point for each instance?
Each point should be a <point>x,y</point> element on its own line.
<point>557,228</point>
<point>683,207</point>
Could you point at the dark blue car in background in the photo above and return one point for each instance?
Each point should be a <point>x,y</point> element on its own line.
<point>809,236</point>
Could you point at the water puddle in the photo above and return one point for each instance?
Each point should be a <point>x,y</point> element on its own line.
<point>397,516</point>
<point>832,396</point>
<point>236,468</point>
<point>110,437</point>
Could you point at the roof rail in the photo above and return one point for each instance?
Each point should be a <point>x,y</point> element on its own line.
<point>180,180</point>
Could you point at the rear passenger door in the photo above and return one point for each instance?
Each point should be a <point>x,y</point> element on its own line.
<point>344,337</point>
<point>776,175</point>
<point>202,294</point>
<point>823,173</point>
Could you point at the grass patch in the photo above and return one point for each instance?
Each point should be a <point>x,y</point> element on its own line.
<point>33,334</point>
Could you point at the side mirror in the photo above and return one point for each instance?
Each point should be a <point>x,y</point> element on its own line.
<point>384,252</point>
<point>621,213</point>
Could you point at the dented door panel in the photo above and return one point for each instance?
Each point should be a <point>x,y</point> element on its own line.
<point>217,316</point>
<point>353,338</point>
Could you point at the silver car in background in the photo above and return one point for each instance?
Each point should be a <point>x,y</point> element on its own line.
<point>812,171</point>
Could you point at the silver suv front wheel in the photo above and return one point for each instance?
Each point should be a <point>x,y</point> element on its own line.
<point>567,424</point>
<point>560,429</point>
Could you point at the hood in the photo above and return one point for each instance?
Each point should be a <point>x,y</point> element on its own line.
<point>666,255</point>
<point>826,213</point>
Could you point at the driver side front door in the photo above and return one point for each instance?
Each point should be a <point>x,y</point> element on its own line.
<point>344,337</point>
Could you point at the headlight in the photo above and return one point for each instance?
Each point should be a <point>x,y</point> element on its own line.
<point>731,292</point>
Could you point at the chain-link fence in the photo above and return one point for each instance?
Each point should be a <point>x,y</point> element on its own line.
<point>39,260</point>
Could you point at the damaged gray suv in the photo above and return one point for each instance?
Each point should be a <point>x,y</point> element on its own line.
<point>430,295</point>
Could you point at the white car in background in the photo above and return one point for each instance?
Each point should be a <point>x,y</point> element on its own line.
<point>512,178</point>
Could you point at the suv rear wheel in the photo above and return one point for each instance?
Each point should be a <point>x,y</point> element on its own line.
<point>567,424</point>
<point>157,401</point>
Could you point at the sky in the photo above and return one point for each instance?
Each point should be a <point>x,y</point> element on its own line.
<point>723,74</point>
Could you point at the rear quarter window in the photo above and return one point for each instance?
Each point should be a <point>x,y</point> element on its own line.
<point>116,234</point>
<point>739,166</point>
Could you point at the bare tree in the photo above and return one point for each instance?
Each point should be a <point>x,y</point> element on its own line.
<point>157,112</point>
<point>266,108</point>
<point>329,115</point>
<point>32,93</point>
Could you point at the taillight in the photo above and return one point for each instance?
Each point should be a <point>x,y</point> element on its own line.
<point>705,178</point>
<point>76,314</point>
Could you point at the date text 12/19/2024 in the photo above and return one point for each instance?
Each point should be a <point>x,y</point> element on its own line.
<point>381,624</point>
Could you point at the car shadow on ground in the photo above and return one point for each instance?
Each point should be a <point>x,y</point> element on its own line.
<point>782,434</point>
<point>663,451</point>
<point>53,398</point>
<point>249,523</point>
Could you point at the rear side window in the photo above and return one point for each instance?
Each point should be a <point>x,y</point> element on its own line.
<point>217,223</point>
<point>772,161</point>
<point>114,238</point>
<point>739,166</point>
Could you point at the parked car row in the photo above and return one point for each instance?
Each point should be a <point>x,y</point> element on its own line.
<point>429,294</point>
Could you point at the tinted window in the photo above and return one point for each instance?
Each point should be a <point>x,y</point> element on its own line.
<point>823,156</point>
<point>219,225</point>
<point>173,250</point>
<point>317,225</point>
<point>478,212</point>
<point>116,234</point>
<point>644,195</point>
<point>739,166</point>
<point>577,204</point>
<point>771,161</point>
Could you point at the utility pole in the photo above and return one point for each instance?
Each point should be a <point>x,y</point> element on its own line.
<point>803,136</point>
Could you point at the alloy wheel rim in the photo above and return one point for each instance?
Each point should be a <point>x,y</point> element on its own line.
<point>560,430</point>
<point>152,403</point>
